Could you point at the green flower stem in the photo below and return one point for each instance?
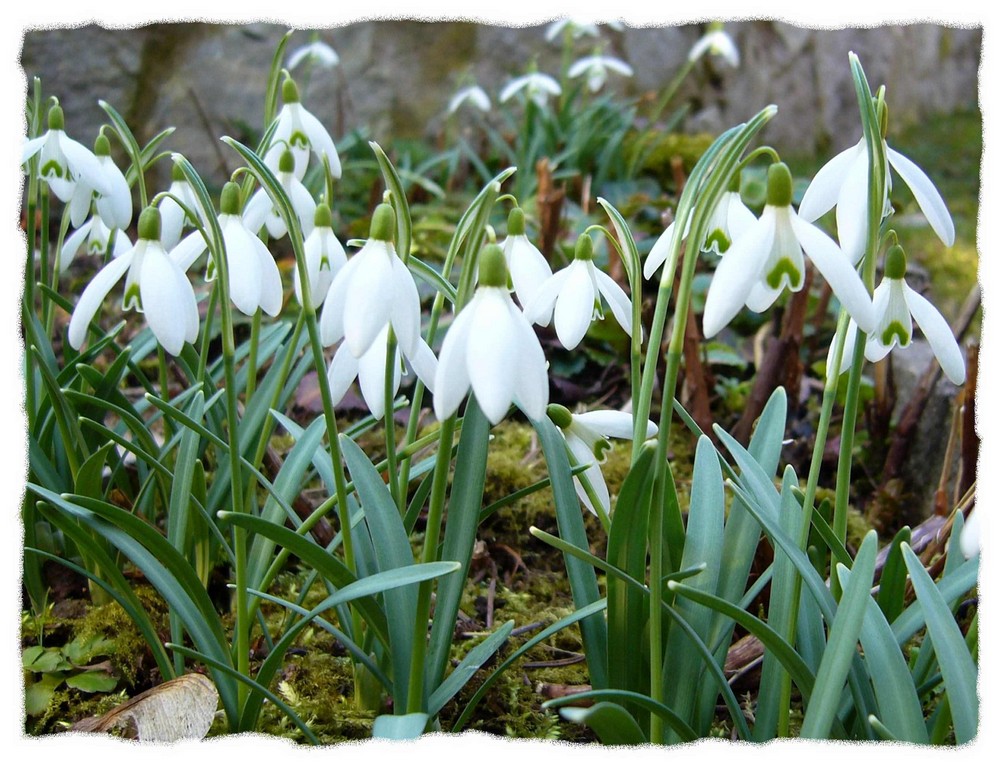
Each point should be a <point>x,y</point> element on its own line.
<point>53,281</point>
<point>656,724</point>
<point>43,250</point>
<point>28,300</point>
<point>432,535</point>
<point>206,337</point>
<point>251,364</point>
<point>395,489</point>
<point>670,92</point>
<point>161,358</point>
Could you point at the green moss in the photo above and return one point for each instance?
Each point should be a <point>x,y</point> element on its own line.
<point>664,148</point>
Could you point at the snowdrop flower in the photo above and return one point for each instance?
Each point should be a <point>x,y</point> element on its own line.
<point>254,280</point>
<point>843,182</point>
<point>528,267</point>
<point>587,439</point>
<point>93,238</point>
<point>536,86</point>
<point>155,286</point>
<point>369,370</point>
<point>316,53</point>
<point>730,219</point>
<point>969,539</point>
<point>574,295</point>
<point>577,28</point>
<point>491,348</point>
<point>596,69</point>
<point>767,258</point>
<point>172,215</point>
<point>261,210</point>
<point>299,130</point>
<point>472,95</point>
<point>115,206</point>
<point>62,161</point>
<point>896,306</point>
<point>374,288</point>
<point>324,257</point>
<point>718,43</point>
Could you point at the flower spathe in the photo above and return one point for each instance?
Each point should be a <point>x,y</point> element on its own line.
<point>768,258</point>
<point>843,182</point>
<point>374,288</point>
<point>63,162</point>
<point>155,286</point>
<point>586,437</point>
<point>299,130</point>
<point>491,348</point>
<point>573,296</point>
<point>596,69</point>
<point>369,370</point>
<point>528,268</point>
<point>730,220</point>
<point>324,257</point>
<point>254,280</point>
<point>536,86</point>
<point>896,306</point>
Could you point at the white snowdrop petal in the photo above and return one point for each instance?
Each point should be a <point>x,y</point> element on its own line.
<point>167,299</point>
<point>424,364</point>
<point>32,147</point>
<point>938,334</point>
<point>492,354</point>
<point>582,454</point>
<point>657,255</point>
<point>539,309</point>
<point>405,310</point>
<point>740,265</point>
<point>838,271</point>
<point>79,205</point>
<point>331,321</point>
<point>926,195</point>
<point>852,209</point>
<point>824,189</point>
<point>116,206</point>
<point>244,267</point>
<point>304,205</point>
<point>320,141</point>
<point>528,268</point>
<point>617,299</point>
<point>371,374</point>
<point>84,165</point>
<point>187,251</point>
<point>575,306</point>
<point>532,378</point>
<point>364,318</point>
<point>256,212</point>
<point>73,244</point>
<point>93,296</point>
<point>270,280</point>
<point>451,381</point>
<point>611,423</point>
<point>342,372</point>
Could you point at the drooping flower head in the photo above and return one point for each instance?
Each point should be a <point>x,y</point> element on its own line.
<point>491,348</point>
<point>63,162</point>
<point>254,280</point>
<point>299,130</point>
<point>717,42</point>
<point>843,182</point>
<point>155,286</point>
<point>262,211</point>
<point>768,258</point>
<point>372,290</point>
<point>93,238</point>
<point>729,220</point>
<point>528,268</point>
<point>573,295</point>
<point>537,87</point>
<point>115,205</point>
<point>596,67</point>
<point>576,28</point>
<point>172,214</point>
<point>324,257</point>
<point>896,305</point>
<point>472,95</point>
<point>317,53</point>
<point>586,437</point>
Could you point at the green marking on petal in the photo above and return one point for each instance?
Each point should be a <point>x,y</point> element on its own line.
<point>324,261</point>
<point>132,300</point>
<point>785,266</point>
<point>718,238</point>
<point>601,448</point>
<point>299,139</point>
<point>52,168</point>
<point>896,330</point>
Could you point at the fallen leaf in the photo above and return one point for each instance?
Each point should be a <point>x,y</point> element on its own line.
<point>182,708</point>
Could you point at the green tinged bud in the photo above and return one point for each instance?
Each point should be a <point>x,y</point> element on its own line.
<point>515,222</point>
<point>895,263</point>
<point>289,91</point>
<point>383,224</point>
<point>230,200</point>
<point>560,416</point>
<point>584,248</point>
<point>779,185</point>
<point>149,224</point>
<point>177,173</point>
<point>286,163</point>
<point>493,267</point>
<point>323,216</point>
<point>102,147</point>
<point>57,120</point>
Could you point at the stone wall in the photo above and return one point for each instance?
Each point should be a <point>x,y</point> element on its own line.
<point>395,77</point>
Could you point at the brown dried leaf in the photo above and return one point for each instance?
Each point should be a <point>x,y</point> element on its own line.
<point>182,708</point>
